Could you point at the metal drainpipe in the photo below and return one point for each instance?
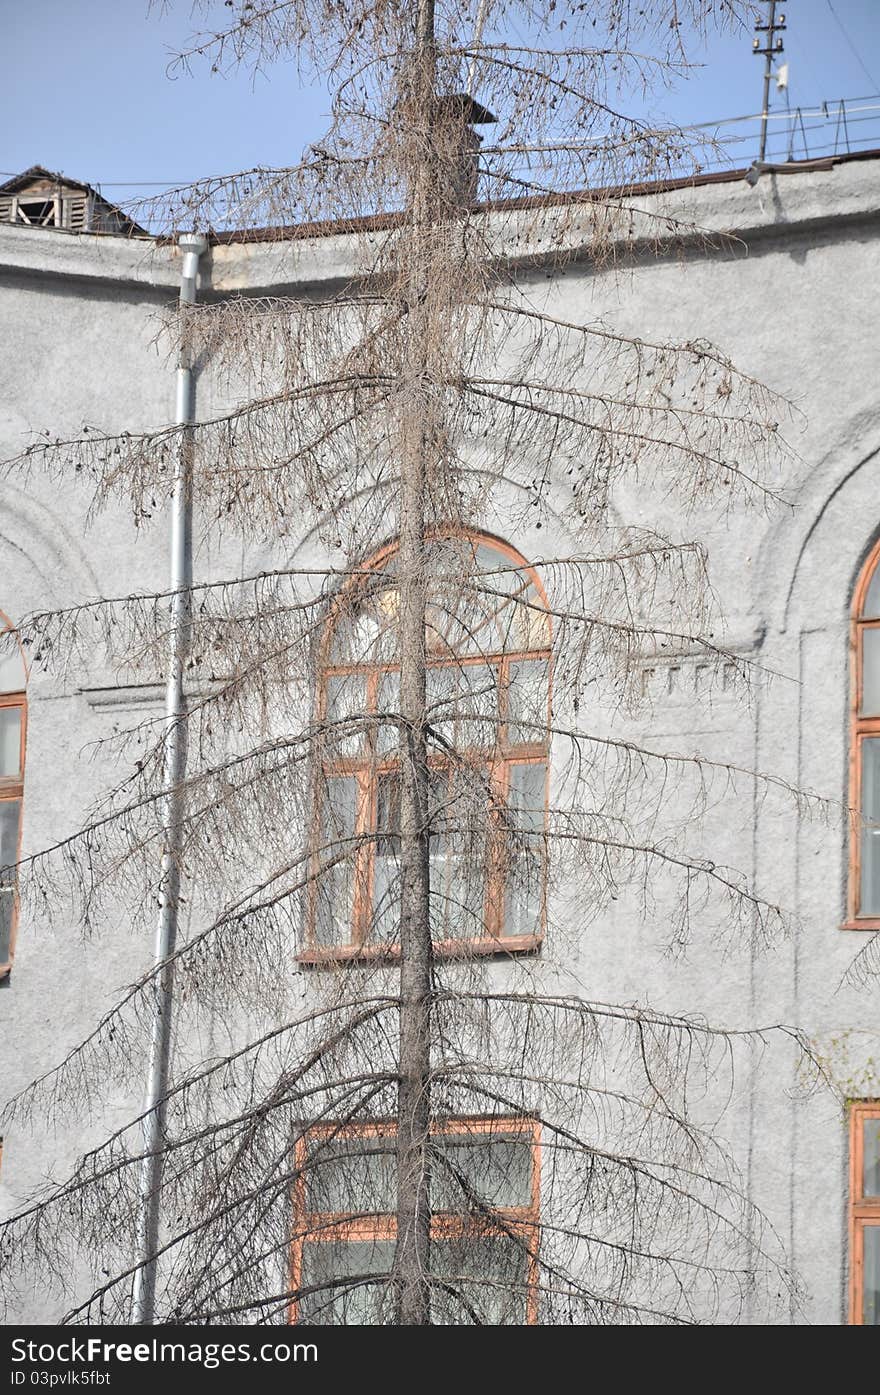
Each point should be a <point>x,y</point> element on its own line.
<point>192,245</point>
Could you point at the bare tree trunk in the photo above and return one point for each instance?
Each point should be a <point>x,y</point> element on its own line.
<point>414,1104</point>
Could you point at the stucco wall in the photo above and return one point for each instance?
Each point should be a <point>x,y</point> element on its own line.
<point>790,297</point>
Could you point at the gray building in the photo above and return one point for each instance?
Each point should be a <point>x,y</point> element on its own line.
<point>786,284</point>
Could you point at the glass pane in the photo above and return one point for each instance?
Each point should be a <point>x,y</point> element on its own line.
<point>522,622</point>
<point>10,742</point>
<point>492,1168</point>
<point>525,857</point>
<point>388,700</point>
<point>10,813</point>
<point>871,608</point>
<point>496,607</point>
<point>869,898</point>
<point>871,1157</point>
<point>463,898</point>
<point>335,893</point>
<point>366,633</point>
<point>442,698</point>
<point>463,704</point>
<point>871,1276</point>
<point>527,795</point>
<point>352,1305</point>
<point>453,613</point>
<point>352,1175</point>
<point>457,854</point>
<point>527,694</point>
<point>484,1281</point>
<point>518,625</point>
<point>871,672</point>
<point>346,699</point>
<point>13,678</point>
<point>477,707</point>
<point>386,862</point>
<point>7,906</point>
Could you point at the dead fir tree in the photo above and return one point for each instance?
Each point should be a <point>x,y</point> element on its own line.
<point>412,779</point>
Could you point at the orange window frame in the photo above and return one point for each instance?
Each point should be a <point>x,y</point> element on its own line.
<point>860,728</point>
<point>864,1210</point>
<point>316,1227</point>
<point>12,788</point>
<point>368,770</point>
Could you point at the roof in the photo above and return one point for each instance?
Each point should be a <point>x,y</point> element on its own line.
<point>18,182</point>
<point>380,221</point>
<point>377,222</point>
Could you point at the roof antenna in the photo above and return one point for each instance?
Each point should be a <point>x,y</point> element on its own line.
<point>770,31</point>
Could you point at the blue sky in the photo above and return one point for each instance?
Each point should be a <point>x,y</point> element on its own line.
<point>86,90</point>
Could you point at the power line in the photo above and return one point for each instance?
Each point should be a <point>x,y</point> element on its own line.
<point>852,47</point>
<point>858,109</point>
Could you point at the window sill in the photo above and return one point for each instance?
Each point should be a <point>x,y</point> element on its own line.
<point>443,949</point>
<point>868,923</point>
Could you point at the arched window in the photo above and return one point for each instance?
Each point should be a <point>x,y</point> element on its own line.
<point>13,727</point>
<point>864,890</point>
<point>488,689</point>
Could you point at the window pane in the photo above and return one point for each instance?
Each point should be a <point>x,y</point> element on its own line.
<point>346,698</point>
<point>527,701</point>
<point>7,906</point>
<point>871,1157</point>
<point>386,862</point>
<point>497,571</point>
<point>496,608</point>
<point>871,608</point>
<point>13,678</point>
<point>335,891</point>
<point>10,742</point>
<point>329,1260</point>
<point>871,1276</point>
<point>477,706</point>
<point>871,672</point>
<point>442,698</point>
<point>352,1175</point>
<point>494,1169</point>
<point>463,704</point>
<point>869,899</point>
<point>484,1281</point>
<point>524,890</point>
<point>367,632</point>
<point>388,700</point>
<point>521,622</point>
<point>457,853</point>
<point>10,813</point>
<point>457,893</point>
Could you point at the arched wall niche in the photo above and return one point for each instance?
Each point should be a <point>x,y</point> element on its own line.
<point>810,559</point>
<point>812,564</point>
<point>42,567</point>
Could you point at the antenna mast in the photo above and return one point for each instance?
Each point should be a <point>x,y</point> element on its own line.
<point>771,48</point>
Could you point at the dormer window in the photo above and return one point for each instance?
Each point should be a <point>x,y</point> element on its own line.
<point>58,211</point>
<point>37,198</point>
<point>45,213</point>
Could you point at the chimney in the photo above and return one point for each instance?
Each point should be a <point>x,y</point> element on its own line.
<point>464,113</point>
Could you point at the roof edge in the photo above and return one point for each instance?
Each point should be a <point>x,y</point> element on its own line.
<point>382,222</point>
